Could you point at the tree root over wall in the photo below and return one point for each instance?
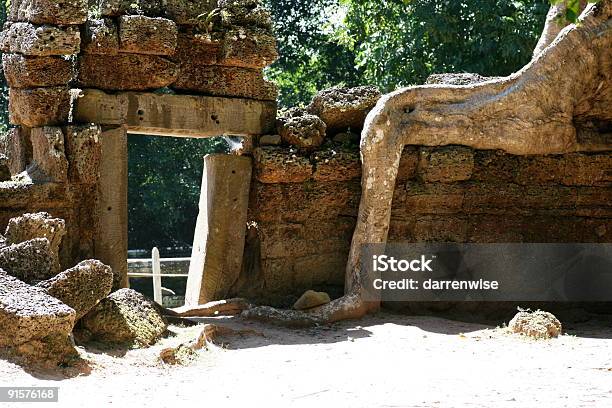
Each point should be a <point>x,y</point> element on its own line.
<point>559,103</point>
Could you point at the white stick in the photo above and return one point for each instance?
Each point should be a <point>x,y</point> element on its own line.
<point>157,283</point>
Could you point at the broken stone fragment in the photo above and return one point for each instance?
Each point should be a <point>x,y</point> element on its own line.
<point>38,107</point>
<point>126,316</point>
<point>146,35</point>
<point>33,72</point>
<point>245,13</point>
<point>33,40</point>
<point>58,12</point>
<point>38,225</point>
<point>126,72</point>
<point>301,129</point>
<point>456,79</point>
<point>344,108</point>
<point>226,81</point>
<point>5,172</point>
<point>84,150</point>
<point>114,8</point>
<point>49,163</point>
<point>311,299</point>
<point>446,165</point>
<point>82,286</point>
<point>30,261</point>
<point>188,12</point>
<point>281,165</point>
<point>101,36</point>
<point>248,49</point>
<point>538,324</point>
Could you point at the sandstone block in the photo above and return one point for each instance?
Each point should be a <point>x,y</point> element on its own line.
<point>446,165</point>
<point>27,313</point>
<point>38,107</point>
<point>344,108</point>
<point>34,72</point>
<point>538,324</point>
<point>101,36</point>
<point>301,129</point>
<point>146,35</point>
<point>245,13</point>
<point>197,49</point>
<point>226,81</point>
<point>126,72</point>
<point>186,12</point>
<point>281,165</point>
<point>114,8</point>
<point>248,49</point>
<point>311,299</point>
<point>49,162</point>
<point>83,149</point>
<point>15,144</point>
<point>58,12</point>
<point>44,40</point>
<point>337,165</point>
<point>82,286</point>
<point>126,316</point>
<point>38,225</point>
<point>31,261</point>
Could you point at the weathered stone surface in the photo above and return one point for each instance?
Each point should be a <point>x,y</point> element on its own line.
<point>114,8</point>
<point>301,129</point>
<point>226,81</point>
<point>147,35</point>
<point>198,49</point>
<point>281,165</point>
<point>126,316</point>
<point>270,140</point>
<point>336,164</point>
<point>81,287</point>
<point>15,144</point>
<point>30,226</point>
<point>33,72</point>
<point>248,48</point>
<point>344,108</point>
<point>29,39</point>
<point>311,299</point>
<point>456,79</point>
<point>187,11</point>
<point>538,324</point>
<point>31,261</point>
<point>58,12</point>
<point>27,313</point>
<point>5,172</point>
<point>49,163</point>
<point>83,149</point>
<point>126,72</point>
<point>246,13</point>
<point>446,165</point>
<point>38,107</point>
<point>101,36</point>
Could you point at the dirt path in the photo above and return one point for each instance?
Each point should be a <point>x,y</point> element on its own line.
<point>386,361</point>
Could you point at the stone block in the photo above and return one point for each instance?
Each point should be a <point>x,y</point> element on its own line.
<point>30,261</point>
<point>301,129</point>
<point>248,49</point>
<point>101,36</point>
<point>114,8</point>
<point>126,72</point>
<point>225,81</point>
<point>186,12</point>
<point>49,162</point>
<point>281,165</point>
<point>446,164</point>
<point>16,145</point>
<point>34,72</point>
<point>44,40</point>
<point>38,107</point>
<point>58,12</point>
<point>198,49</point>
<point>147,35</point>
<point>83,149</point>
<point>244,13</point>
<point>336,164</point>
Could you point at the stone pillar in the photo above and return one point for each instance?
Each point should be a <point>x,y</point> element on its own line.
<point>218,246</point>
<point>111,240</point>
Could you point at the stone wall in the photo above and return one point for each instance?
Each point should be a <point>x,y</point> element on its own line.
<point>305,208</point>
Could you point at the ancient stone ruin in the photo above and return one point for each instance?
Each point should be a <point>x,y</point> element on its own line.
<point>277,218</point>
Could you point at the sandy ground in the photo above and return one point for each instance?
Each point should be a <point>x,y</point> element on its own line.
<point>381,361</point>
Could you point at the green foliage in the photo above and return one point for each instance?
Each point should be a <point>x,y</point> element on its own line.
<point>572,8</point>
<point>164,188</point>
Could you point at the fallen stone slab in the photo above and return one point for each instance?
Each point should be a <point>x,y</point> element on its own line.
<point>27,313</point>
<point>226,81</point>
<point>344,108</point>
<point>301,129</point>
<point>126,317</point>
<point>33,72</point>
<point>49,163</point>
<point>147,35</point>
<point>38,225</point>
<point>311,299</point>
<point>538,324</point>
<point>126,72</point>
<point>31,261</point>
<point>44,40</point>
<point>38,107</point>
<point>58,12</point>
<point>82,286</point>
<point>229,307</point>
<point>101,37</point>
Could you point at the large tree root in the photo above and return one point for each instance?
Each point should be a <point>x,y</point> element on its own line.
<point>566,89</point>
